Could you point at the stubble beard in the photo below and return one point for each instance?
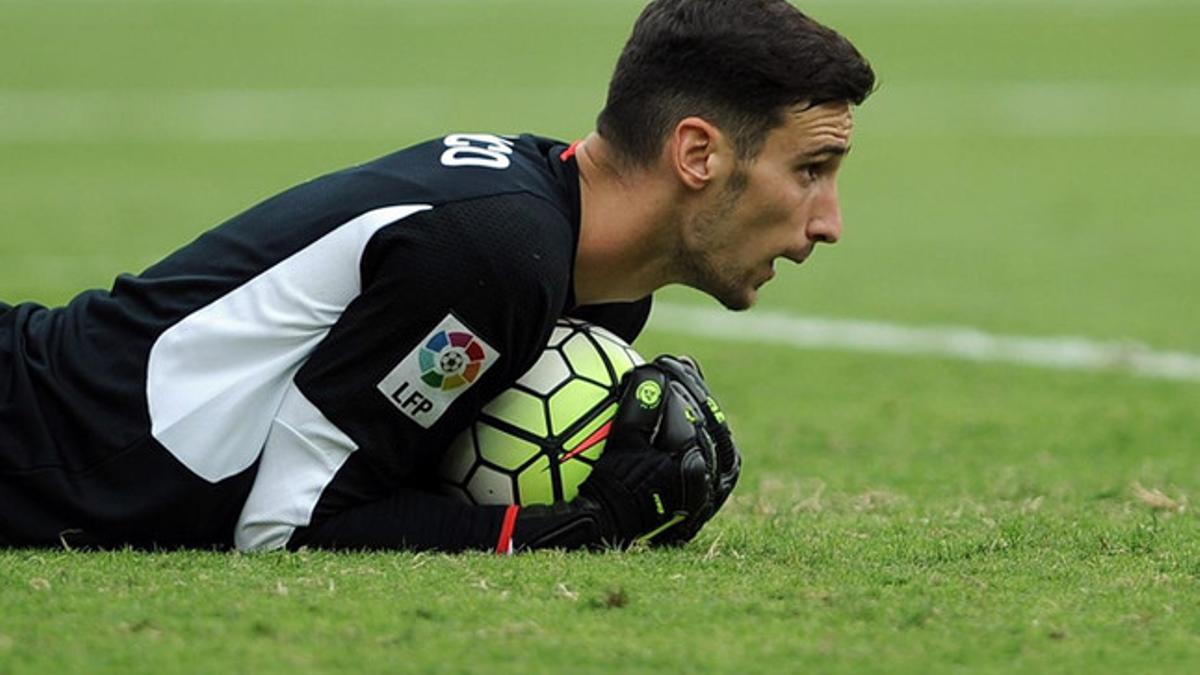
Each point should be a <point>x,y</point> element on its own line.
<point>701,267</point>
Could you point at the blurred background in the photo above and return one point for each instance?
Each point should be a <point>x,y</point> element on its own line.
<point>1026,167</point>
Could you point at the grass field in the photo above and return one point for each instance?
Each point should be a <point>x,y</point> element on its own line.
<point>1027,168</point>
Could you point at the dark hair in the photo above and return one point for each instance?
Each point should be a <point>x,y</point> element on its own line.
<point>737,63</point>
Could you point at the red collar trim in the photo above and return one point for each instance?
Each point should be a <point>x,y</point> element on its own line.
<point>570,151</point>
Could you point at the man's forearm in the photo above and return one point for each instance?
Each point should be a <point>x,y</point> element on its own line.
<point>407,520</point>
<point>419,521</point>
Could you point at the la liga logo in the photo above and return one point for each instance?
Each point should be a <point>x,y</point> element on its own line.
<point>440,367</point>
<point>451,359</point>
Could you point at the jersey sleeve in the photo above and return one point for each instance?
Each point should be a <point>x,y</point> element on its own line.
<point>455,307</point>
<point>409,520</point>
<point>456,303</point>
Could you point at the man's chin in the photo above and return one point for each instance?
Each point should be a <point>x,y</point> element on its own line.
<point>736,296</point>
<point>738,301</point>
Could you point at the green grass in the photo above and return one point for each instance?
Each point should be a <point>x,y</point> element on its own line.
<point>895,515</point>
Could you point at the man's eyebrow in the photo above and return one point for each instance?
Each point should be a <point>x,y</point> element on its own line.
<point>833,149</point>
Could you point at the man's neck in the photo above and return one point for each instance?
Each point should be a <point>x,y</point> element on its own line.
<point>625,240</point>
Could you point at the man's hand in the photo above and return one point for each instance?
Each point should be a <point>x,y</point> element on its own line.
<point>653,483</point>
<point>685,371</point>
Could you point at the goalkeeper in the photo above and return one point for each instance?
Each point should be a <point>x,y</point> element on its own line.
<point>261,387</point>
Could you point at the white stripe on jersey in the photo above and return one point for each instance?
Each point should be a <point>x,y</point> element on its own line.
<point>304,451</point>
<point>216,379</point>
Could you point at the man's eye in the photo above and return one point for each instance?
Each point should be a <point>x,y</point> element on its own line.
<point>811,172</point>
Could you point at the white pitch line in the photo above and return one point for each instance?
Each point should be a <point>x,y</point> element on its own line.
<point>969,344</point>
<point>243,115</point>
<point>1006,109</point>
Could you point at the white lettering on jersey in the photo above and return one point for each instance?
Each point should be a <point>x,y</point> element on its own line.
<point>482,150</point>
<point>448,361</point>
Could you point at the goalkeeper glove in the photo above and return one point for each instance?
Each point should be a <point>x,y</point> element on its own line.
<point>653,483</point>
<point>686,372</point>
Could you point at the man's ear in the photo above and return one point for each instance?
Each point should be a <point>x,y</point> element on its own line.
<point>697,152</point>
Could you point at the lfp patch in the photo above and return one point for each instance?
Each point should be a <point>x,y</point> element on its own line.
<point>449,360</point>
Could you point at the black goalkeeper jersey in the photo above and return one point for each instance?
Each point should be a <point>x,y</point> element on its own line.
<point>292,376</point>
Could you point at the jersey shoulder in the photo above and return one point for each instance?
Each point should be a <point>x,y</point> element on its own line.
<point>485,242</point>
<point>473,166</point>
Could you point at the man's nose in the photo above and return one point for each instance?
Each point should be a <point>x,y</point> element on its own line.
<point>825,222</point>
<point>823,225</point>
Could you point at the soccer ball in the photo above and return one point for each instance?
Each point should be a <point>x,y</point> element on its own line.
<point>537,441</point>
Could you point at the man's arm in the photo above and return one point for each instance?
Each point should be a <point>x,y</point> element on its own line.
<point>653,483</point>
<point>457,303</point>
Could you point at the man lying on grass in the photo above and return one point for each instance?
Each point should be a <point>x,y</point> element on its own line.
<point>144,415</point>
